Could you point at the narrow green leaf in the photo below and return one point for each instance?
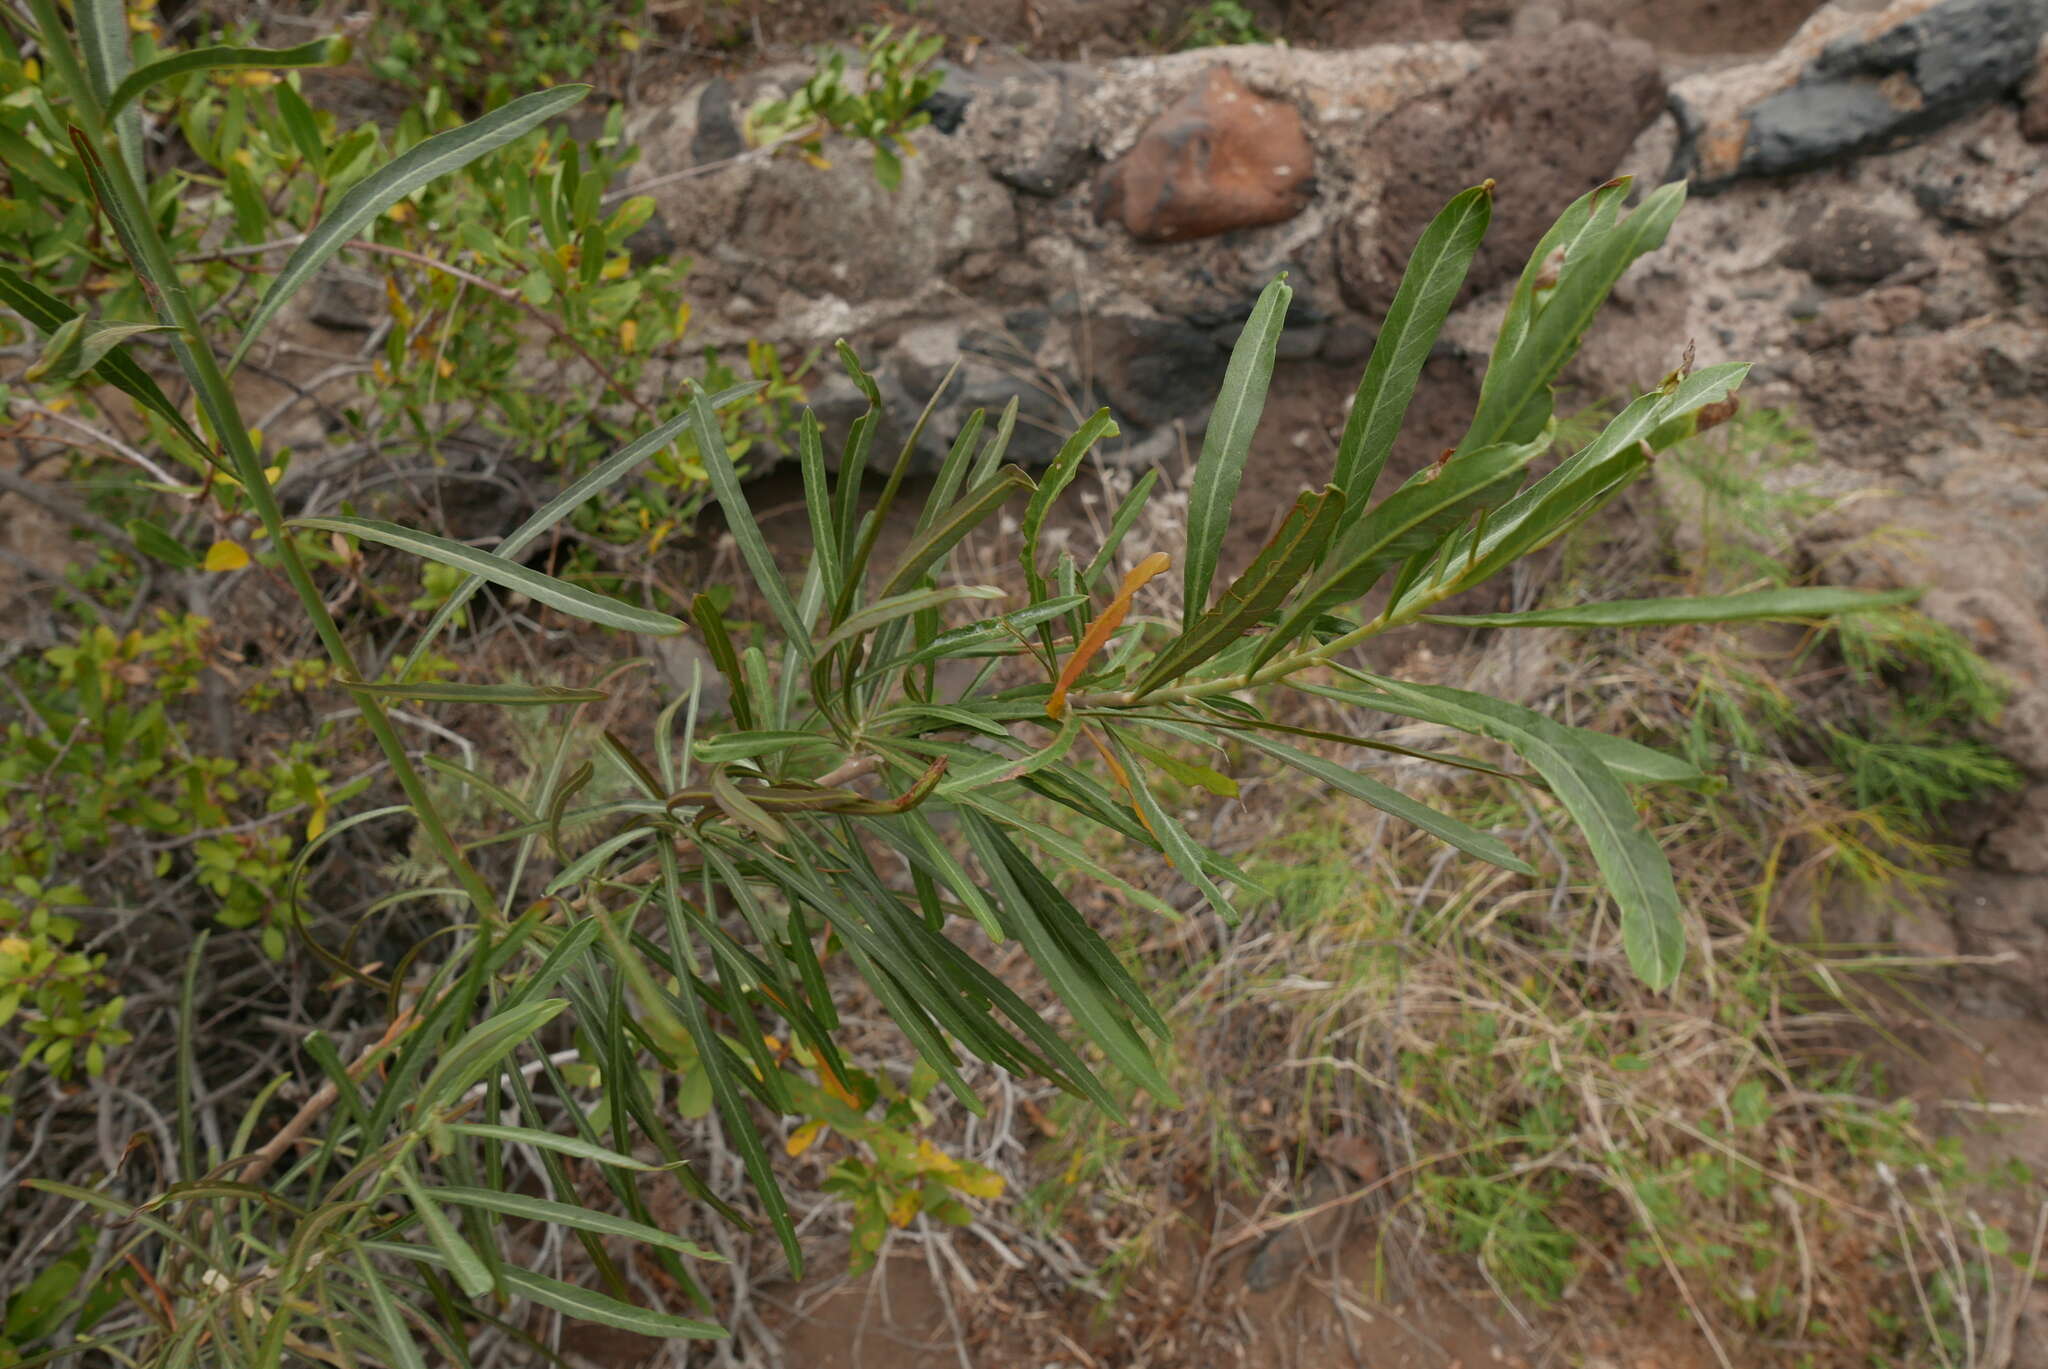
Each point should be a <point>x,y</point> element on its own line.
<point>1562,499</point>
<point>1392,801</point>
<point>1056,478</point>
<point>1228,442</point>
<point>570,1215</point>
<point>951,525</point>
<point>1120,525</point>
<point>321,52</point>
<point>468,1268</point>
<point>1514,400</point>
<point>735,804</point>
<point>152,540</point>
<point>581,1303</point>
<point>47,313</point>
<point>426,162</point>
<point>1630,861</point>
<point>599,478</point>
<point>60,352</point>
<point>1090,1003</point>
<point>573,600</point>
<point>483,1049</point>
<point>1273,574</point>
<point>503,695</point>
<point>1429,288</point>
<point>998,636</point>
<point>573,1146</point>
<point>398,1341</point>
<point>1190,773</point>
<point>739,520</point>
<point>1411,521</point>
<point>1180,848</point>
<point>97,342</point>
<point>303,128</point>
<point>889,610</point>
<point>1821,601</point>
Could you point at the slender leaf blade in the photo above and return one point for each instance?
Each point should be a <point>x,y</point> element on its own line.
<point>1429,288</point>
<point>426,162</point>
<point>1820,601</point>
<point>321,52</point>
<point>573,600</point>
<point>1273,574</point>
<point>1228,442</point>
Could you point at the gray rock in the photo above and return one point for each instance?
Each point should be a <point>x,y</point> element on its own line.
<point>2019,253</point>
<point>1155,370</point>
<point>1028,130</point>
<point>345,300</point>
<point>1853,245</point>
<point>718,137</point>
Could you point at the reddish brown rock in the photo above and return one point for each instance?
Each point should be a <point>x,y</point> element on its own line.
<point>1221,158</point>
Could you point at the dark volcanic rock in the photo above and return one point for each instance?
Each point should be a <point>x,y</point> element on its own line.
<point>1530,119</point>
<point>718,136</point>
<point>1155,370</point>
<point>1220,159</point>
<point>1862,93</point>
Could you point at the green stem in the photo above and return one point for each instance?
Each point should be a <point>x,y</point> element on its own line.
<point>174,307</point>
<point>1280,667</point>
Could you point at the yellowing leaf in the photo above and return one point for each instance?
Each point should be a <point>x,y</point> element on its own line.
<point>1100,630</point>
<point>903,1209</point>
<point>981,1183</point>
<point>629,335</point>
<point>682,319</point>
<point>803,1138</point>
<point>226,555</point>
<point>615,268</point>
<point>629,40</point>
<point>400,310</point>
<point>835,1086</point>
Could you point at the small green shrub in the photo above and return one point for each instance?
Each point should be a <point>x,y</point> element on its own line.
<point>1220,23</point>
<point>484,53</point>
<point>896,79</point>
<point>677,926</point>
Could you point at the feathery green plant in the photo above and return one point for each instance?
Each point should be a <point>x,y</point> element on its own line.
<point>861,805</point>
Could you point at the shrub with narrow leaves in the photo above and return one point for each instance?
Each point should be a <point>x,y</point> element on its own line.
<point>874,804</point>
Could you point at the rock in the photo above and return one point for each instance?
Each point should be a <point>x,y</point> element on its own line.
<point>1028,130</point>
<point>838,232</point>
<point>2019,252</point>
<point>1853,245</point>
<point>2034,105</point>
<point>345,300</point>
<point>1985,189</point>
<point>2020,844</point>
<point>1154,370</point>
<point>682,659</point>
<point>718,137</point>
<point>1879,312</point>
<point>1852,82</point>
<point>1222,158</point>
<point>2015,363</point>
<point>947,110</point>
<point>651,242</point>
<point>1529,119</point>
